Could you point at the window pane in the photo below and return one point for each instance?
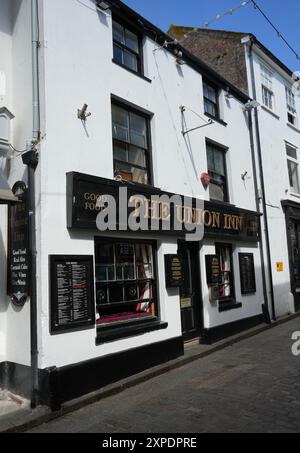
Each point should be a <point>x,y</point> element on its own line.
<point>118,54</point>
<point>293,176</point>
<point>267,98</point>
<point>125,261</point>
<point>144,261</point>
<point>130,173</point>
<point>226,284</point>
<point>120,118</point>
<point>210,159</point>
<point>210,93</point>
<point>132,41</point>
<point>120,151</point>
<point>105,262</point>
<point>210,108</point>
<point>130,60</point>
<point>219,162</point>
<point>118,33</point>
<point>291,152</point>
<point>216,192</point>
<point>137,156</point>
<point>138,131</point>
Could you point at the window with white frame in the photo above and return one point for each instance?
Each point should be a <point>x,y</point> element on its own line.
<point>267,87</point>
<point>291,106</point>
<point>292,162</point>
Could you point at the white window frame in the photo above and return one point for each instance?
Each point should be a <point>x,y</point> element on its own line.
<point>294,190</point>
<point>268,98</point>
<point>291,105</point>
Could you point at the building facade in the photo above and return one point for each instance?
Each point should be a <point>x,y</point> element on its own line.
<point>128,117</point>
<point>248,64</point>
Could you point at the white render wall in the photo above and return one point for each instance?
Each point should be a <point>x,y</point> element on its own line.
<point>15,51</point>
<point>275,132</point>
<point>77,58</point>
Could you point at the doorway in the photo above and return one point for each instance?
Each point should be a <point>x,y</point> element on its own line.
<point>190,292</point>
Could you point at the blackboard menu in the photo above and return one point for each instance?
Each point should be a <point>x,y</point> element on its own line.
<point>247,273</point>
<point>72,292</point>
<point>173,271</point>
<point>212,270</point>
<point>18,259</point>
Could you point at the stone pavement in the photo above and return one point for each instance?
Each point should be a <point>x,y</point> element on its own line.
<point>251,386</point>
<point>11,404</point>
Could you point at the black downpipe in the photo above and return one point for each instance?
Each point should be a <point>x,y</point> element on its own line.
<point>31,160</point>
<point>262,182</point>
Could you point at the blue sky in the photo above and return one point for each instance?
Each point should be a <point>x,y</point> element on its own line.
<point>284,14</point>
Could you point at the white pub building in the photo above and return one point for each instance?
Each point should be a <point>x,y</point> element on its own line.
<point>94,99</point>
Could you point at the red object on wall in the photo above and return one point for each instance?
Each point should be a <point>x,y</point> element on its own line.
<point>205,179</point>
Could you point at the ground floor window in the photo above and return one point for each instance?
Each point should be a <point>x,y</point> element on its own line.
<point>226,282</point>
<point>125,281</point>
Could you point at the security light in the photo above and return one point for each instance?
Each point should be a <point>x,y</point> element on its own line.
<point>251,105</point>
<point>103,5</point>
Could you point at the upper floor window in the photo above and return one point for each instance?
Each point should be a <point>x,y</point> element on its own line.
<point>292,161</point>
<point>291,106</point>
<point>127,47</point>
<point>211,100</point>
<point>267,87</point>
<point>217,172</point>
<point>130,145</point>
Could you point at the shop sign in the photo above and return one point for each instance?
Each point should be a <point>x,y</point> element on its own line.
<point>72,293</point>
<point>212,270</point>
<point>162,213</point>
<point>173,271</point>
<point>186,303</point>
<point>18,239</point>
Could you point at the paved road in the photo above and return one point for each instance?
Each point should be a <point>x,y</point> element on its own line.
<point>253,386</point>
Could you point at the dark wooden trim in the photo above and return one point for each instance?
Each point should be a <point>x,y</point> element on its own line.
<point>218,333</point>
<point>140,328</point>
<point>230,306</point>
<point>217,120</point>
<point>58,385</point>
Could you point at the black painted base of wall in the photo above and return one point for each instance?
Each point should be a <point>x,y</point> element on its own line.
<point>210,336</point>
<point>58,385</point>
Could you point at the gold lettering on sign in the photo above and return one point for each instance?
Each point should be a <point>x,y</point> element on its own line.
<point>208,218</point>
<point>233,222</point>
<point>216,220</point>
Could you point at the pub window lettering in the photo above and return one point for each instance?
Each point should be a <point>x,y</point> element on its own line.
<point>125,282</point>
<point>127,47</point>
<point>131,145</point>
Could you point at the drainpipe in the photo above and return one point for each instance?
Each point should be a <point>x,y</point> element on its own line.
<point>31,160</point>
<point>262,182</point>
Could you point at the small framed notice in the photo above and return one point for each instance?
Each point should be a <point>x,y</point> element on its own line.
<point>247,273</point>
<point>71,293</point>
<point>174,271</point>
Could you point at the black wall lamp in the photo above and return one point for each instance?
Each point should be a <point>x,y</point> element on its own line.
<point>103,5</point>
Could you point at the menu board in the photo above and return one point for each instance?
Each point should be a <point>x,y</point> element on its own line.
<point>212,270</point>
<point>72,292</point>
<point>247,273</point>
<point>18,257</point>
<point>173,271</point>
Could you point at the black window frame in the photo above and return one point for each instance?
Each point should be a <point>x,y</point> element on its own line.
<point>227,300</point>
<point>224,151</point>
<point>209,101</point>
<point>138,323</point>
<point>139,56</point>
<point>148,152</point>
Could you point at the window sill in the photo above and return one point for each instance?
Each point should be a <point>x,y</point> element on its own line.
<point>294,194</point>
<point>141,76</point>
<point>112,334</point>
<point>266,109</point>
<point>217,120</point>
<point>232,305</point>
<point>222,203</point>
<point>295,128</point>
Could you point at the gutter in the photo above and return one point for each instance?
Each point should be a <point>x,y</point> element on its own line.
<point>262,183</point>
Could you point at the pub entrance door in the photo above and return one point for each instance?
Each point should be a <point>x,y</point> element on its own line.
<point>294,246</point>
<point>190,292</point>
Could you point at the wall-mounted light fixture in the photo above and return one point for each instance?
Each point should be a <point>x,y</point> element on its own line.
<point>5,118</point>
<point>82,113</point>
<point>179,57</point>
<point>103,5</point>
<point>251,105</point>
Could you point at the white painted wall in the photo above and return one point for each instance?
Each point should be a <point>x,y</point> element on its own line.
<point>275,131</point>
<point>15,50</point>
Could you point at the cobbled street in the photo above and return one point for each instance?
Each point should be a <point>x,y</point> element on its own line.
<point>253,386</point>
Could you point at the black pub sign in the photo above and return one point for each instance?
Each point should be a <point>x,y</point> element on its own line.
<point>18,240</point>
<point>212,270</point>
<point>162,211</point>
<point>173,271</point>
<point>72,293</point>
